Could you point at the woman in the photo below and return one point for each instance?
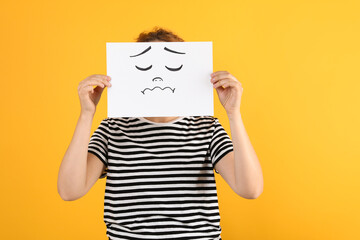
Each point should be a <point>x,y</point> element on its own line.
<point>160,182</point>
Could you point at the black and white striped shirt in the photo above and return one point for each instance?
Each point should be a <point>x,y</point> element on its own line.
<point>160,181</point>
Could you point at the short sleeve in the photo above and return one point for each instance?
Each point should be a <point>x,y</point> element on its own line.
<point>98,144</point>
<point>220,144</point>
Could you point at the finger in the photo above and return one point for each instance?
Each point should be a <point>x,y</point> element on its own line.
<point>86,90</point>
<point>89,89</point>
<point>230,79</point>
<point>106,82</point>
<point>230,84</point>
<point>94,82</point>
<point>217,72</point>
<point>100,76</point>
<point>221,76</point>
<point>220,79</point>
<point>221,82</point>
<point>104,79</point>
<point>95,76</point>
<point>227,82</point>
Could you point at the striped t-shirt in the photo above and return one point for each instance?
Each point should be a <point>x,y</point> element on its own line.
<point>160,182</point>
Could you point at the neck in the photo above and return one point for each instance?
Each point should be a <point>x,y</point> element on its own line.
<point>161,119</point>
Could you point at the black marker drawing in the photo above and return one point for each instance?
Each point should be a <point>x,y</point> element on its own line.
<point>143,69</point>
<point>172,89</point>
<point>142,52</point>
<point>160,79</point>
<point>172,51</point>
<point>154,79</point>
<point>174,69</point>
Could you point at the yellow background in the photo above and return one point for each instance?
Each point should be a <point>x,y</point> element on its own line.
<point>298,62</point>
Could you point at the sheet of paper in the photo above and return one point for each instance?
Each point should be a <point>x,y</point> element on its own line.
<point>158,79</point>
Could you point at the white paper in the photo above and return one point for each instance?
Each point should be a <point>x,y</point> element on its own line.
<point>164,84</point>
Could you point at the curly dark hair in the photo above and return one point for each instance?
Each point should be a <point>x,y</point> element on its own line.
<point>159,34</point>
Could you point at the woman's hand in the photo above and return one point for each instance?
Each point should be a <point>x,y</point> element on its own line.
<point>229,91</point>
<point>89,96</point>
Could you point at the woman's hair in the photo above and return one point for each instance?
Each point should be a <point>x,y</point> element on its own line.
<point>159,34</point>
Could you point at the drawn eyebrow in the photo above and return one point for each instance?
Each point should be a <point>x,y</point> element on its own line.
<point>173,51</point>
<point>142,52</point>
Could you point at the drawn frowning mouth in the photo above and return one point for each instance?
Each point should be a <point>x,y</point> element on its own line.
<point>172,89</point>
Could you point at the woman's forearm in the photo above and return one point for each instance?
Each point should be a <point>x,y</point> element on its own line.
<point>248,173</point>
<point>72,172</point>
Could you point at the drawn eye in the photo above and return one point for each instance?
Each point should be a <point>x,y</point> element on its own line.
<point>174,69</point>
<point>143,69</point>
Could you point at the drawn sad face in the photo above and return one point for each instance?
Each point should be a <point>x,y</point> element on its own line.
<point>158,83</point>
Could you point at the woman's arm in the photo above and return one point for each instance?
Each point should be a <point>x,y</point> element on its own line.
<point>248,173</point>
<point>241,169</point>
<point>72,172</point>
<point>73,181</point>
